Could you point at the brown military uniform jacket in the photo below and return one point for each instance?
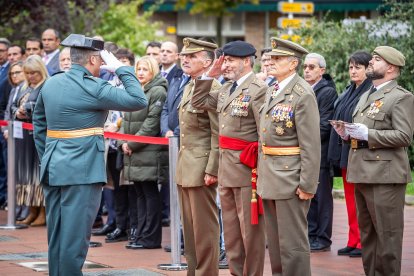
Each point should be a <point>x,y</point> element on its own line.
<point>389,115</point>
<point>238,118</point>
<point>291,119</point>
<point>198,153</point>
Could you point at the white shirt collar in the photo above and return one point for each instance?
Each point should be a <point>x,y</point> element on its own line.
<point>285,82</point>
<point>169,69</point>
<point>242,79</point>
<point>51,55</point>
<point>382,85</point>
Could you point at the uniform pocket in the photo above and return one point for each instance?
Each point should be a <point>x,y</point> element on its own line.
<point>286,163</point>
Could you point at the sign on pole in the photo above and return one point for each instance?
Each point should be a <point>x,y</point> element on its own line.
<point>297,7</point>
<point>294,23</point>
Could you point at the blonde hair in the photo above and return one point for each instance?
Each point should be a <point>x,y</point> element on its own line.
<point>35,63</point>
<point>152,64</point>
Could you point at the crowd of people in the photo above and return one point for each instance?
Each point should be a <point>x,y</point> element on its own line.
<point>249,144</point>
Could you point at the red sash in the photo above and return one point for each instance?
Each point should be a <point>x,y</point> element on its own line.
<point>248,157</point>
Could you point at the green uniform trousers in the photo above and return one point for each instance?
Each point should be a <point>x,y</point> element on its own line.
<point>70,213</point>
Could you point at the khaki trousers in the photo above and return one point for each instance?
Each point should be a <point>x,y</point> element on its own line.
<point>199,215</point>
<point>380,209</point>
<point>245,243</point>
<point>287,236</point>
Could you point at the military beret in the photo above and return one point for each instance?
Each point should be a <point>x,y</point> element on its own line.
<point>81,41</point>
<point>239,49</point>
<point>282,47</point>
<point>192,46</point>
<point>390,55</point>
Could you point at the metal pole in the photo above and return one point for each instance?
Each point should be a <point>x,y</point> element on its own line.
<point>176,264</point>
<point>290,16</point>
<point>11,183</point>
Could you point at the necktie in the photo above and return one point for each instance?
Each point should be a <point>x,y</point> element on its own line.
<point>373,89</point>
<point>164,74</point>
<point>233,87</point>
<point>275,90</point>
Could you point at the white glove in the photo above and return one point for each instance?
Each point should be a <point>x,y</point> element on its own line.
<point>111,62</point>
<point>357,131</point>
<point>340,129</point>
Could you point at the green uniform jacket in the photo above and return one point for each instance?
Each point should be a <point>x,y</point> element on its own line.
<point>280,176</point>
<point>77,100</point>
<point>389,115</point>
<point>146,160</point>
<point>238,118</point>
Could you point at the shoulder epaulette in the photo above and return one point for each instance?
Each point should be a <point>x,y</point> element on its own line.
<point>299,89</point>
<point>403,89</point>
<point>259,82</point>
<point>215,85</point>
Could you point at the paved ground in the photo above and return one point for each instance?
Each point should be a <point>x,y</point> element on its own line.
<point>13,243</point>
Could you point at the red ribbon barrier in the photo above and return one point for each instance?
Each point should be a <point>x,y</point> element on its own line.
<point>114,135</point>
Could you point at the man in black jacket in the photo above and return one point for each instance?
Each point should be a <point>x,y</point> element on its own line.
<point>321,209</point>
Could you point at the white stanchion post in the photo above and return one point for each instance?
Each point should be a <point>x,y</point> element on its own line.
<point>176,264</point>
<point>11,183</point>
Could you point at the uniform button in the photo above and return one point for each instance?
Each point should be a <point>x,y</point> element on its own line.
<point>182,123</point>
<point>182,135</point>
<point>222,126</point>
<point>373,147</point>
<point>264,129</point>
<point>182,110</point>
<point>183,147</point>
<point>354,150</point>
<point>286,167</point>
<point>206,153</point>
<point>362,114</point>
<point>267,115</point>
<point>224,113</point>
<point>263,144</point>
<point>194,110</point>
<point>378,157</point>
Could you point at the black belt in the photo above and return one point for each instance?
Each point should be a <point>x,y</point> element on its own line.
<point>359,144</point>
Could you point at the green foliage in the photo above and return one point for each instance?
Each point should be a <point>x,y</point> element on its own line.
<point>210,7</point>
<point>122,24</point>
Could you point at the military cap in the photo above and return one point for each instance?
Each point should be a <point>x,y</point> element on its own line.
<point>192,46</point>
<point>81,41</point>
<point>390,55</point>
<point>239,49</point>
<point>282,47</point>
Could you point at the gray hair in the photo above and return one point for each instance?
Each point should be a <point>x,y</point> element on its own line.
<point>298,60</point>
<point>252,59</point>
<point>81,56</point>
<point>320,58</point>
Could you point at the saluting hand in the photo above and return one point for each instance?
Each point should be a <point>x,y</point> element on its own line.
<point>215,70</point>
<point>111,62</point>
<point>303,195</point>
<point>210,179</point>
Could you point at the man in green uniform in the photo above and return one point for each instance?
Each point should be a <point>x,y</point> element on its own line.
<point>381,132</point>
<point>68,130</point>
<point>289,150</point>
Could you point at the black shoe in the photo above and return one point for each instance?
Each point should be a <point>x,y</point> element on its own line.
<point>317,247</point>
<point>345,251</point>
<point>104,230</point>
<point>167,248</point>
<point>356,253</point>
<point>133,235</point>
<point>223,264</point>
<point>116,236</point>
<point>137,245</point>
<point>95,244</point>
<point>98,223</point>
<point>165,222</point>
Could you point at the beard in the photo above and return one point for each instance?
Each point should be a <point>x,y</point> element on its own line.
<point>374,75</point>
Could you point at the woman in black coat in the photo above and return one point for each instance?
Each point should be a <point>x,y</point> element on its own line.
<point>338,151</point>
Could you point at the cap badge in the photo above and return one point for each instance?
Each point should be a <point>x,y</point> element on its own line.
<point>274,44</point>
<point>186,43</point>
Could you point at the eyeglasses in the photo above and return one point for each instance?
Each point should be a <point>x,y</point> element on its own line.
<point>15,73</point>
<point>310,66</point>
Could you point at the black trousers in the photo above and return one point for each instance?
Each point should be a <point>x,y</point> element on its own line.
<point>125,198</point>
<point>320,213</point>
<point>149,229</point>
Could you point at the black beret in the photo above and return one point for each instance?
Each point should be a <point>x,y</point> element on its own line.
<point>81,41</point>
<point>239,49</point>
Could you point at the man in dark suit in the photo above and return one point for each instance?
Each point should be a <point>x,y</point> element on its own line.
<point>51,41</point>
<point>4,91</point>
<point>169,57</point>
<point>170,127</point>
<point>321,209</point>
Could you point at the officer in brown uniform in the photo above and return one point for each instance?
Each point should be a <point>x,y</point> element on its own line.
<point>237,103</point>
<point>378,162</point>
<point>197,167</point>
<point>289,156</point>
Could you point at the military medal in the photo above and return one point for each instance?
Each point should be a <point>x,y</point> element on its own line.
<point>240,106</point>
<point>374,108</point>
<point>280,130</point>
<point>289,124</point>
<point>290,98</point>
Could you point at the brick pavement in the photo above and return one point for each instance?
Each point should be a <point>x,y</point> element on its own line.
<point>33,240</point>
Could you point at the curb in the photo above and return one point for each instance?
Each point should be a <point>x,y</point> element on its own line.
<point>339,194</point>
